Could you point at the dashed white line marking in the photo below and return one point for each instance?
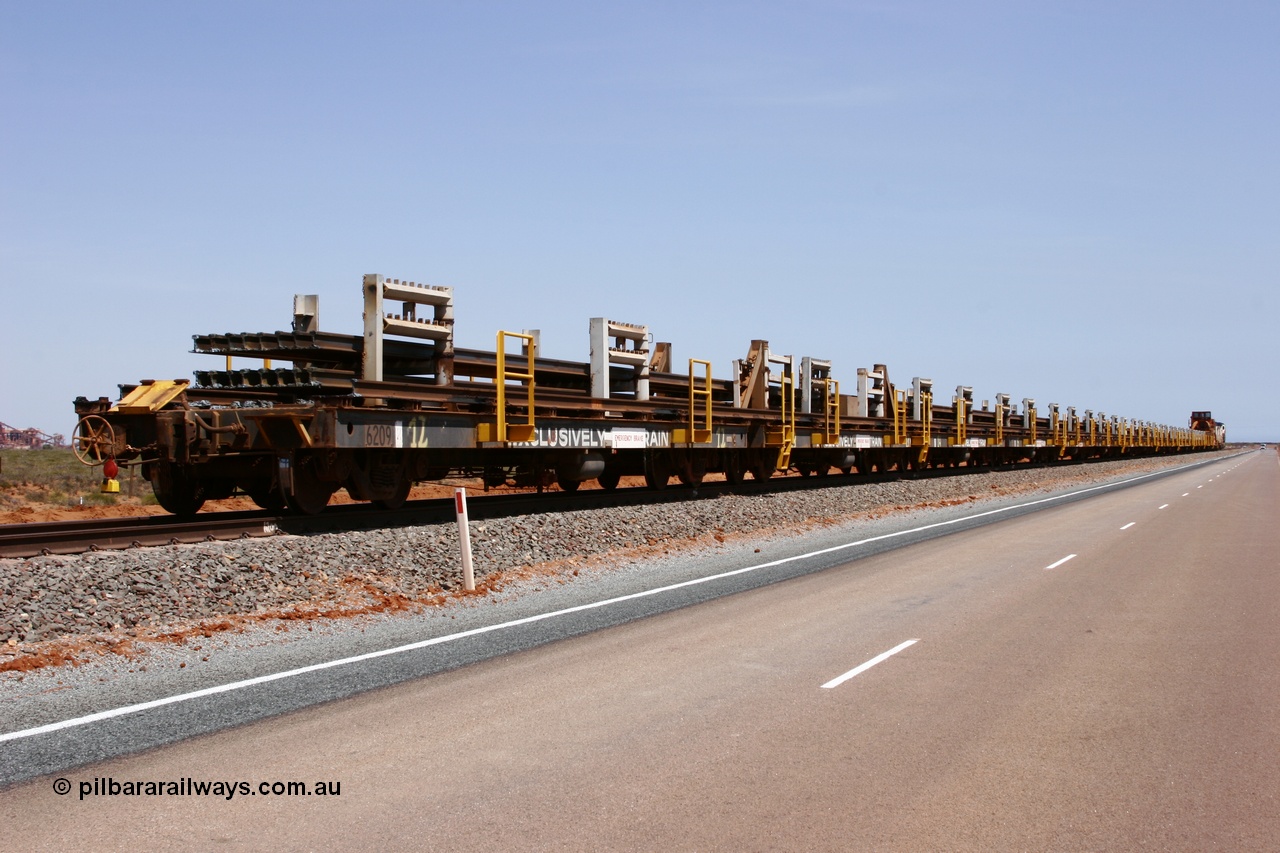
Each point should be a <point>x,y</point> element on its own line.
<point>1162,506</point>
<point>1060,562</point>
<point>841,679</point>
<point>485,629</point>
<point>1184,494</point>
<point>1199,487</point>
<point>1127,526</point>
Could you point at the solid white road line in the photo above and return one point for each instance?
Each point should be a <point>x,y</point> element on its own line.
<point>1060,562</point>
<point>1162,506</point>
<point>841,679</point>
<point>1127,526</point>
<point>435,641</point>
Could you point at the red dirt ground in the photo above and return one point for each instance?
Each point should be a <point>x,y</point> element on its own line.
<point>35,511</point>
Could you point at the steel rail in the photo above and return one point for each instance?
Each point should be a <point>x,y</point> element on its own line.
<point>31,539</point>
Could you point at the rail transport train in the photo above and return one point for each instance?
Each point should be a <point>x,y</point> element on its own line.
<point>401,404</point>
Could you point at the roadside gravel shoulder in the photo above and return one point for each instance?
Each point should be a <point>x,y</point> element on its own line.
<point>126,627</point>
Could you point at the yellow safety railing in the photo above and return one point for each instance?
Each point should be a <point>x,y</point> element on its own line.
<point>788,421</point>
<point>1000,412</point>
<point>1031,418</point>
<point>962,418</point>
<point>899,417</point>
<point>514,432</point>
<point>831,419</point>
<point>926,424</point>
<point>695,435</point>
<point>784,438</point>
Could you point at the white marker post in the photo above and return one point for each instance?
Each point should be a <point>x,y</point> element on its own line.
<point>464,537</point>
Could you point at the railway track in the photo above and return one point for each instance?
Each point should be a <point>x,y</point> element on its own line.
<point>32,539</point>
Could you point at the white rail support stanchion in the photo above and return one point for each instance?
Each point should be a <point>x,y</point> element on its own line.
<point>464,537</point>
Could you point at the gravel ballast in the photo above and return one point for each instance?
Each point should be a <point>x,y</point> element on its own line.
<point>59,609</point>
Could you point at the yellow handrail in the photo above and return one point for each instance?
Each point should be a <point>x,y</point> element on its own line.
<point>788,421</point>
<point>831,422</point>
<point>788,408</point>
<point>514,432</point>
<point>699,436</point>
<point>899,417</point>
<point>926,426</point>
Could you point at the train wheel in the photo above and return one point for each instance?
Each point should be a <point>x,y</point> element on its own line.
<point>403,486</point>
<point>568,485</point>
<point>733,469</point>
<point>762,470</point>
<point>805,470</point>
<point>176,490</point>
<point>310,494</point>
<point>657,471</point>
<point>268,498</point>
<point>609,480</point>
<point>691,471</point>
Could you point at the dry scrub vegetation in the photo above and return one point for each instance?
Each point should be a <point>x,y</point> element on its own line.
<point>53,478</point>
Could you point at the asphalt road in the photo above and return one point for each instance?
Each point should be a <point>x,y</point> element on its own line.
<point>1097,675</point>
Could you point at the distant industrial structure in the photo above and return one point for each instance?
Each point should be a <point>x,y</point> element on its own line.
<point>12,438</point>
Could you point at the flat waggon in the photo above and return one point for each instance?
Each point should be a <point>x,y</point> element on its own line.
<point>400,404</point>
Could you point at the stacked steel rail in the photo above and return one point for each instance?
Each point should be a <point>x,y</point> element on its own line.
<point>401,404</point>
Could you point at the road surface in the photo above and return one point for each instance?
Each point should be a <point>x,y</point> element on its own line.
<point>1097,675</point>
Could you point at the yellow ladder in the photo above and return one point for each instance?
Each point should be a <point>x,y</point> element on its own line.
<point>785,438</point>
<point>831,416</point>
<point>694,435</point>
<point>926,426</point>
<point>514,432</point>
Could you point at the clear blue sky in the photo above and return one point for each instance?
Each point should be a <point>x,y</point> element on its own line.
<point>1076,202</point>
